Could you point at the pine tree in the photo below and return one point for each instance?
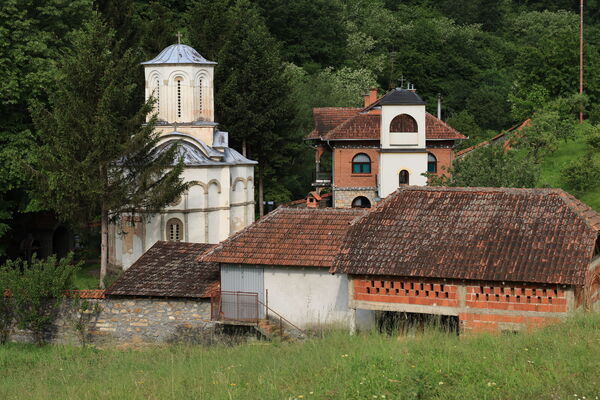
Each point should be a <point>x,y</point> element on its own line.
<point>252,93</point>
<point>98,159</point>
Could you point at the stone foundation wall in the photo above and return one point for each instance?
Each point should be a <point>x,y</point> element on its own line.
<point>131,321</point>
<point>343,196</point>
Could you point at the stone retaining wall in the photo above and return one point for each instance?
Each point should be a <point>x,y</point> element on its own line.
<point>132,321</point>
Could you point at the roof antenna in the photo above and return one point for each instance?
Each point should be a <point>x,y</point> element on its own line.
<point>178,37</point>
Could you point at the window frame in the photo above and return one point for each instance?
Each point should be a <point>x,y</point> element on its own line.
<point>174,222</point>
<point>401,174</point>
<point>430,162</point>
<point>362,165</point>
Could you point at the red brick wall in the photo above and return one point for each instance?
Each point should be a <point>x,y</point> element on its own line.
<point>480,306</point>
<point>493,323</point>
<point>444,159</point>
<point>516,298</point>
<point>407,291</point>
<point>342,168</point>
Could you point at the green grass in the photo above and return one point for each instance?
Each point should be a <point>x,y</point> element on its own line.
<point>559,362</point>
<point>87,276</point>
<point>555,162</point>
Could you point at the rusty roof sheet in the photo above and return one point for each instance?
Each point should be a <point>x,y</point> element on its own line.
<point>496,234</point>
<point>169,269</point>
<point>337,123</point>
<point>288,236</point>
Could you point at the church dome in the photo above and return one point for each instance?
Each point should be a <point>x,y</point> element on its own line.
<point>179,54</point>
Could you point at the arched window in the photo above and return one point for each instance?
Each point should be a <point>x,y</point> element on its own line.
<point>178,97</point>
<point>157,94</point>
<point>361,164</point>
<point>431,163</point>
<point>361,202</point>
<point>174,230</point>
<point>403,123</point>
<point>404,177</point>
<point>200,95</point>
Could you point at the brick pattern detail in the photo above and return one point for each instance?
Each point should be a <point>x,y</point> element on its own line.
<point>444,158</point>
<point>517,298</point>
<point>407,291</point>
<point>342,173</point>
<point>493,323</point>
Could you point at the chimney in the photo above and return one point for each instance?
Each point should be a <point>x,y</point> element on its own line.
<point>411,87</point>
<point>371,97</point>
<point>439,110</point>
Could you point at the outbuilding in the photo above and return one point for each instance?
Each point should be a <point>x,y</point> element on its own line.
<point>494,259</point>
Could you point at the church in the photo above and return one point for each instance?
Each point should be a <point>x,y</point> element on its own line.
<point>220,200</point>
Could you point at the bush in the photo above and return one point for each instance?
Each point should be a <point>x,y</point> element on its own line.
<point>582,175</point>
<point>37,290</point>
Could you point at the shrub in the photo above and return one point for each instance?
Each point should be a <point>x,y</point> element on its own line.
<point>582,175</point>
<point>37,290</point>
<point>6,312</point>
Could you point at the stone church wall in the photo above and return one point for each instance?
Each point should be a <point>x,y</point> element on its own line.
<point>130,321</point>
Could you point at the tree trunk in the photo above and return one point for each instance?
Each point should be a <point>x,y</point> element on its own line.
<point>261,193</point>
<point>104,247</point>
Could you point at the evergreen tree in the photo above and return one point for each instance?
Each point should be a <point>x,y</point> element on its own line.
<point>252,93</point>
<point>97,158</point>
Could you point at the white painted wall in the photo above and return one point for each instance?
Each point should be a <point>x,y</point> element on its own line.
<point>407,148</point>
<point>310,296</point>
<point>196,104</point>
<point>390,165</point>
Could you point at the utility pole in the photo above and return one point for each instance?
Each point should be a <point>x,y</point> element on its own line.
<point>580,55</point>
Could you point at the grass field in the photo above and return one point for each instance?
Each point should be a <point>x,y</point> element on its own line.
<point>555,162</point>
<point>559,362</point>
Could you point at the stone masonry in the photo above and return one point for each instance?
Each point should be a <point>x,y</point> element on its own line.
<point>133,321</point>
<point>342,197</point>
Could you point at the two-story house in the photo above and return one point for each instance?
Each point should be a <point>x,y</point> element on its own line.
<point>391,141</point>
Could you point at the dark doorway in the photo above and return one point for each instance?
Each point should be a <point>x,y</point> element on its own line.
<point>404,323</point>
<point>60,242</point>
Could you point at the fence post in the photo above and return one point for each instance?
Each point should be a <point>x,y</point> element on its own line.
<point>266,304</point>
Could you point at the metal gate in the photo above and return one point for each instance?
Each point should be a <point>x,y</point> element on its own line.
<point>243,279</point>
<point>236,306</point>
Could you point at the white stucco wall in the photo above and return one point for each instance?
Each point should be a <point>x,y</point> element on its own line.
<point>390,165</point>
<point>311,297</point>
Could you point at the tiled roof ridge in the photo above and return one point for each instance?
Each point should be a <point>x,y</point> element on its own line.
<point>202,257</point>
<point>590,216</point>
<point>482,189</point>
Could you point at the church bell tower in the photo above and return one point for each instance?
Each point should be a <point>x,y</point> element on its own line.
<point>181,81</point>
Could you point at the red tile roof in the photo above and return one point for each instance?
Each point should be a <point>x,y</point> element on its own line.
<point>439,130</point>
<point>169,269</point>
<point>327,118</point>
<point>347,123</point>
<point>495,234</point>
<point>288,236</point>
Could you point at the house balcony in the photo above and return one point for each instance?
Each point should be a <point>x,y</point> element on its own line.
<point>322,179</point>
